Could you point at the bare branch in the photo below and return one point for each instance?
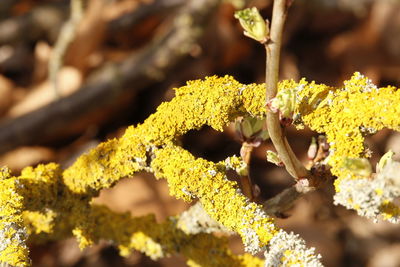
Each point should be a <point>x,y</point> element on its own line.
<point>66,36</point>
<point>273,47</point>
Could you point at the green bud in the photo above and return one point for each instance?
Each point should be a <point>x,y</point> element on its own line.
<point>253,24</point>
<point>284,102</point>
<point>246,127</point>
<point>251,129</point>
<point>386,159</point>
<point>358,166</point>
<point>272,157</point>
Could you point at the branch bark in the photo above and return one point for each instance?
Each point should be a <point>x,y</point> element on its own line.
<point>282,202</point>
<point>273,48</point>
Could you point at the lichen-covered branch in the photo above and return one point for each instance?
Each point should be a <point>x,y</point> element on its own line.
<point>346,115</point>
<point>13,249</point>
<point>56,202</point>
<point>220,197</point>
<point>158,240</point>
<point>145,234</point>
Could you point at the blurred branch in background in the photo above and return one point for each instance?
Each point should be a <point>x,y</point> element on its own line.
<point>154,7</point>
<point>41,22</point>
<point>5,7</point>
<point>111,81</point>
<point>65,37</point>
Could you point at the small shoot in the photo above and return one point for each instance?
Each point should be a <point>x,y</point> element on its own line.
<point>285,104</point>
<point>251,130</point>
<point>386,159</point>
<point>254,25</point>
<point>273,157</point>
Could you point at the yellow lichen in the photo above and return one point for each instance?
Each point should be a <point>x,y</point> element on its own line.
<point>39,222</point>
<point>346,114</point>
<point>389,210</point>
<point>379,191</point>
<point>189,177</point>
<point>343,114</point>
<point>39,185</point>
<point>13,249</point>
<point>158,240</point>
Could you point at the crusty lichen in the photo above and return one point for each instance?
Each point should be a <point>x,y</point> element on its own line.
<point>288,249</point>
<point>190,178</point>
<point>159,240</point>
<point>13,249</point>
<point>62,198</point>
<point>373,197</point>
<point>346,114</point>
<point>214,102</point>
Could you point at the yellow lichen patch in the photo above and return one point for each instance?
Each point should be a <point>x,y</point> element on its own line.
<point>82,238</point>
<point>161,239</point>
<point>39,185</point>
<point>254,99</point>
<point>390,210</point>
<point>141,242</point>
<point>189,177</point>
<point>13,254</point>
<point>95,170</point>
<point>347,113</point>
<point>213,101</point>
<point>13,249</point>
<point>39,222</point>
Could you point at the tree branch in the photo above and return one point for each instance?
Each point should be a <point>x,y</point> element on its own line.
<point>65,37</point>
<point>273,47</point>
<point>282,202</point>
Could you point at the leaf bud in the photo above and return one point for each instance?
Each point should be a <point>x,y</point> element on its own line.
<point>272,157</point>
<point>254,25</point>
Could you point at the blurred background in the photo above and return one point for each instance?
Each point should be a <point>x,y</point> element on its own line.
<point>70,80</point>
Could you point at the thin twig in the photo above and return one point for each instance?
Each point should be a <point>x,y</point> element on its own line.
<point>273,47</point>
<point>277,205</point>
<point>282,202</point>
<point>156,7</point>
<point>245,180</point>
<point>66,36</point>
